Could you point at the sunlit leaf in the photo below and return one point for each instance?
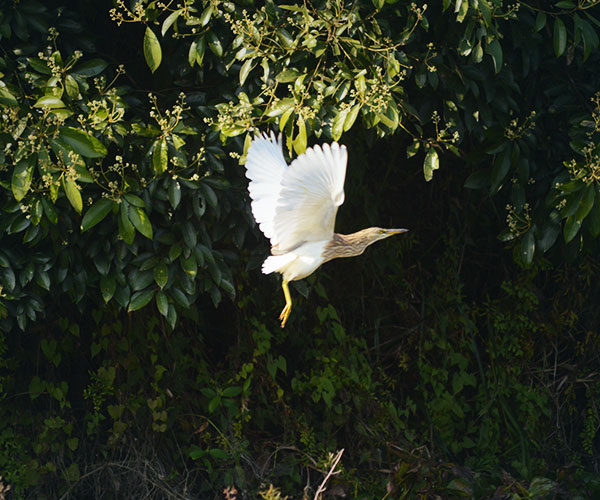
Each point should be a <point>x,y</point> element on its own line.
<point>96,213</point>
<point>337,127</point>
<point>168,22</point>
<point>49,101</point>
<point>73,194</point>
<point>22,177</point>
<point>301,140</point>
<point>6,98</point>
<point>245,70</point>
<point>152,50</point>
<point>83,143</point>
<point>140,221</point>
<point>160,157</point>
<point>431,163</point>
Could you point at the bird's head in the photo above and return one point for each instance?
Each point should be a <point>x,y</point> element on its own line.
<point>378,233</point>
<point>368,236</point>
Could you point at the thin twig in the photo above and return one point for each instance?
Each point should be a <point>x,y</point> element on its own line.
<point>321,487</point>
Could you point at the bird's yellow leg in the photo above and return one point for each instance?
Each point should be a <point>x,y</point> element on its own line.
<point>285,314</point>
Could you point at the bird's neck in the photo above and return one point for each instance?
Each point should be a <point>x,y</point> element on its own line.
<point>345,245</point>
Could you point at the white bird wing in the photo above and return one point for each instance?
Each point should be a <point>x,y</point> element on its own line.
<point>265,166</point>
<point>312,189</point>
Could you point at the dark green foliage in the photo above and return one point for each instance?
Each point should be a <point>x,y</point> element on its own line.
<point>140,354</point>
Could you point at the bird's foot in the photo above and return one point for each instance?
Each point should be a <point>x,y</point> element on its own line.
<point>285,314</point>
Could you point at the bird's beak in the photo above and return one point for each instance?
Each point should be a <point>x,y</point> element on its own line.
<point>390,232</point>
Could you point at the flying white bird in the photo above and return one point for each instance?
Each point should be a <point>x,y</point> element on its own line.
<point>295,207</point>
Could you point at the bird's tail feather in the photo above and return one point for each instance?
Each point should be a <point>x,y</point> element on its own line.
<point>275,263</point>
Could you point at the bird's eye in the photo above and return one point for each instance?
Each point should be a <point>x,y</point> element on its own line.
<point>381,231</point>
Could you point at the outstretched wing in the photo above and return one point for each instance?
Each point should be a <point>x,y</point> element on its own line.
<point>312,189</point>
<point>265,167</point>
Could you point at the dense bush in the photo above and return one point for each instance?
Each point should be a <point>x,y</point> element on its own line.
<point>140,354</point>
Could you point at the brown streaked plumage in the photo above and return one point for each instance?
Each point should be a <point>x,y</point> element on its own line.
<point>351,245</point>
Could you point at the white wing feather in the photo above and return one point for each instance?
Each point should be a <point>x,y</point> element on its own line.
<point>312,189</point>
<point>265,167</point>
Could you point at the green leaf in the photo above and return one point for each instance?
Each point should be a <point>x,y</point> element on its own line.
<point>351,118</point>
<point>189,265</point>
<point>49,211</point>
<point>179,297</point>
<point>245,70</point>
<point>206,15</point>
<point>461,9</point>
<point>586,203</point>
<point>135,200</point>
<point>139,280</point>
<point>560,37</point>
<point>479,179</point>
<point>160,157</point>
<point>548,237</point>
<point>589,35</point>
<point>413,148</point>
<point>197,50</point>
<point>140,221</point>
<point>72,87</point>
<point>107,287</point>
<point>214,44</point>
<point>152,50</point>
<point>486,11</point>
<point>572,204</point>
<point>283,119</point>
<point>541,487</point>
<point>188,230</point>
<point>83,143</point>
<point>96,213</point>
<point>6,98</point>
<point>594,218</point>
<point>22,177</point>
<point>140,299</point>
<point>337,127</point>
<point>571,228</point>
<point>431,163</point>
<point>168,22</point>
<point>287,75</point>
<point>73,194</point>
<point>301,140</point>
<point>49,101</point>
<point>92,67</point>
<point>540,21</point>
<point>494,50</point>
<point>528,247</point>
<point>175,252</point>
<point>500,169</point>
<point>174,193</point>
<point>162,303</point>
<point>172,316</point>
<point>126,229</point>
<point>161,274</point>
<point>477,53</point>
